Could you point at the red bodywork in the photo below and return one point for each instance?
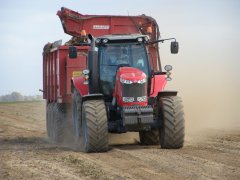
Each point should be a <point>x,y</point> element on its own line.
<point>59,69</point>
<point>78,83</point>
<point>98,25</point>
<point>130,74</point>
<point>158,84</point>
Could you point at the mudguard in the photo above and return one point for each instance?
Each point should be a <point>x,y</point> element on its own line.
<point>92,97</point>
<point>158,83</point>
<point>78,83</point>
<point>167,93</point>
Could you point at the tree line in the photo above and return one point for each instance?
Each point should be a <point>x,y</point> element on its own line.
<point>16,96</point>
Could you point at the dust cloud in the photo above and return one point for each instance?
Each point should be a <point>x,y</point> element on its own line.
<point>207,79</point>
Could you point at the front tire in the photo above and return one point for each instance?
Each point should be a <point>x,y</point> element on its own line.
<point>94,126</point>
<point>172,126</point>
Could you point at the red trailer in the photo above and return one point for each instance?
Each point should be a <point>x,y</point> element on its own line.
<point>108,78</point>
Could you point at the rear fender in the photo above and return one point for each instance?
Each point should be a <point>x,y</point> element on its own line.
<point>78,83</point>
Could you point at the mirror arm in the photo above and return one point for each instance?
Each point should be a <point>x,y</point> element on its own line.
<point>161,40</point>
<point>158,73</point>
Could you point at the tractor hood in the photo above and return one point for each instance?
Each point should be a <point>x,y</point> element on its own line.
<point>129,75</point>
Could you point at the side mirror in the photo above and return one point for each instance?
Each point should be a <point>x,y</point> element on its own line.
<point>174,47</point>
<point>72,52</point>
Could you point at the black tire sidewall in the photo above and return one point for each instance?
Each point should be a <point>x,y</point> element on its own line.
<point>85,137</point>
<point>77,120</point>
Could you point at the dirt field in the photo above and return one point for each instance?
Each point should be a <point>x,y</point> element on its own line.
<point>25,153</point>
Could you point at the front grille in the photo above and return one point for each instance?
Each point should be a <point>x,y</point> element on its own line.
<point>134,90</point>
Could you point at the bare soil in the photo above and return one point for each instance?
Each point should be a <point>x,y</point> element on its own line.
<point>26,153</point>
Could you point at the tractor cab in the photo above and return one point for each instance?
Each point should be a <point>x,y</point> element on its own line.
<point>117,52</point>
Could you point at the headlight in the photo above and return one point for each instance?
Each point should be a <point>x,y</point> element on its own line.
<point>105,41</point>
<point>128,99</point>
<point>141,99</point>
<point>86,71</point>
<point>124,81</point>
<point>142,81</point>
<point>168,67</point>
<point>139,39</point>
<point>97,40</point>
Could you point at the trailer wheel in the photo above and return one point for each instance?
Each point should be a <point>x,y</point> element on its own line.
<point>47,120</point>
<point>50,120</point>
<point>77,118</point>
<point>94,126</point>
<point>149,137</point>
<point>58,128</point>
<point>172,122</point>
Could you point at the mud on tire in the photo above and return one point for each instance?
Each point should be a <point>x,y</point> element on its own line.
<point>172,118</point>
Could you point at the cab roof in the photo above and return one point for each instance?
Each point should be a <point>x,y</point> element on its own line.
<point>121,38</point>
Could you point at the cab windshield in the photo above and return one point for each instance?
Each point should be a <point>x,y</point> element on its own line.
<point>113,56</point>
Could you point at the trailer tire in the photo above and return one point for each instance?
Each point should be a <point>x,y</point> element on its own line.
<point>172,122</point>
<point>94,126</point>
<point>48,119</point>
<point>149,137</point>
<point>76,119</point>
<point>68,138</point>
<point>58,122</point>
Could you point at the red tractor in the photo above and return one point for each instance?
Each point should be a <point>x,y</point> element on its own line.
<point>110,80</point>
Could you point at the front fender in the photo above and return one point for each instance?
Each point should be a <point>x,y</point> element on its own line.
<point>78,83</point>
<point>167,93</point>
<point>158,83</point>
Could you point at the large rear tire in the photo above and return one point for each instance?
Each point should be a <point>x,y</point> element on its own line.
<point>149,137</point>
<point>94,126</point>
<point>172,126</point>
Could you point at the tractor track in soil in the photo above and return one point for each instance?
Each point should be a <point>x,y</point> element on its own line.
<point>26,153</point>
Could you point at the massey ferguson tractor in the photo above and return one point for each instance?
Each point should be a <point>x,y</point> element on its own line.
<point>108,78</point>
